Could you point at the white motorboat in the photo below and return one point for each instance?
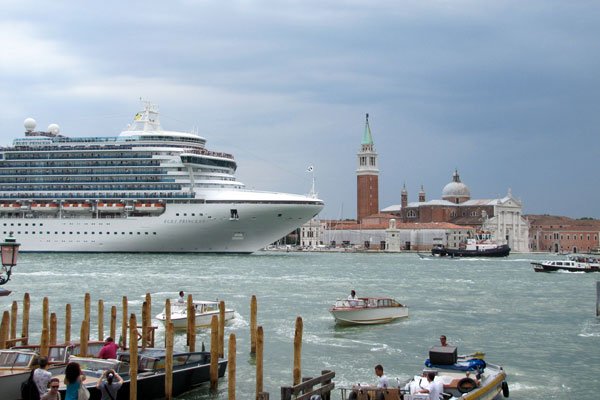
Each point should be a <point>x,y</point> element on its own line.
<point>204,313</point>
<point>367,311</point>
<point>469,378</point>
<point>574,263</point>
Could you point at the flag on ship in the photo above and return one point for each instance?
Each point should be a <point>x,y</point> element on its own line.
<point>310,168</point>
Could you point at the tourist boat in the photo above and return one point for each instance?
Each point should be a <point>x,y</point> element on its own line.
<point>467,379</point>
<point>15,367</point>
<point>367,311</point>
<point>574,263</point>
<point>204,313</point>
<point>482,245</point>
<point>178,196</point>
<point>190,369</point>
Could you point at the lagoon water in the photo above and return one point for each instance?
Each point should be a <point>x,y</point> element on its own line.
<point>541,327</point>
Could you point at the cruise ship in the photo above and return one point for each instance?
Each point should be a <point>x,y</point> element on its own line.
<point>146,190</point>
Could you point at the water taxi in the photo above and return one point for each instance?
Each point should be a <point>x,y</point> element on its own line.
<point>367,311</point>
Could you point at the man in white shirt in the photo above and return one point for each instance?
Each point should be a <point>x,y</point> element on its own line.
<point>382,383</point>
<point>41,377</point>
<point>352,299</point>
<point>435,389</point>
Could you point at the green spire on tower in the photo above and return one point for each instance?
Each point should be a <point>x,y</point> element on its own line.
<point>367,137</point>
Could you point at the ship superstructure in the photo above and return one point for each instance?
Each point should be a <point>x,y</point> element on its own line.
<point>146,190</point>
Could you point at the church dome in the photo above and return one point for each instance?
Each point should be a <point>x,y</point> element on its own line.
<point>456,191</point>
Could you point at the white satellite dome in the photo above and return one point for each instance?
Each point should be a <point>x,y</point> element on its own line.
<point>30,124</point>
<point>456,190</point>
<point>54,129</point>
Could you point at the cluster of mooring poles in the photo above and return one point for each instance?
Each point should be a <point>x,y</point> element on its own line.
<point>144,337</point>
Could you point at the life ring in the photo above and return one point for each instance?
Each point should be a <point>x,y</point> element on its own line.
<point>465,385</point>
<point>504,389</point>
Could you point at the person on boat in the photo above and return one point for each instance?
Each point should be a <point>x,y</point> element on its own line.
<point>443,341</point>
<point>73,379</point>
<point>181,298</point>
<point>435,389</point>
<point>109,350</point>
<point>107,385</point>
<point>53,393</point>
<point>41,376</point>
<point>382,383</point>
<point>353,299</point>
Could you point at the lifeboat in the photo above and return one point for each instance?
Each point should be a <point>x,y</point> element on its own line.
<point>111,207</point>
<point>44,207</point>
<point>10,207</point>
<point>77,207</point>
<point>154,208</point>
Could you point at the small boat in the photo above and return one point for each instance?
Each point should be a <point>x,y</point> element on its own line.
<point>573,263</point>
<point>17,362</point>
<point>470,377</point>
<point>204,313</point>
<point>77,207</point>
<point>368,311</point>
<point>153,208</point>
<point>190,369</point>
<point>44,207</point>
<point>10,207</point>
<point>110,207</point>
<point>482,245</point>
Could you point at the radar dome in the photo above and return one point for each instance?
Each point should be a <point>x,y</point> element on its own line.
<point>30,124</point>
<point>54,129</point>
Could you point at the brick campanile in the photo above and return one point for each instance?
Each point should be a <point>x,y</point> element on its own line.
<point>367,177</point>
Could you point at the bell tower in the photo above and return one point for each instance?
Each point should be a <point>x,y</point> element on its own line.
<point>367,177</point>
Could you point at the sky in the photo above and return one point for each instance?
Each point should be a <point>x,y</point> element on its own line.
<point>506,92</point>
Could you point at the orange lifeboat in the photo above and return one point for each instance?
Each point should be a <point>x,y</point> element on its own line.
<point>153,208</point>
<point>77,207</point>
<point>44,207</point>
<point>111,207</point>
<point>10,207</point>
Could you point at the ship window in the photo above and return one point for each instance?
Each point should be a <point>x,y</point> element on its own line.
<point>26,224</point>
<point>85,233</point>
<point>70,233</point>
<point>145,233</point>
<point>11,224</point>
<point>18,224</point>
<point>131,233</point>
<point>177,214</point>
<point>63,232</point>
<point>122,233</point>
<point>18,233</point>
<point>41,224</point>
<point>154,233</point>
<point>279,215</point>
<point>47,233</point>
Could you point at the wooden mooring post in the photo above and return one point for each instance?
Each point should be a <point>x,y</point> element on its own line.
<point>253,311</point>
<point>597,298</point>
<point>101,320</point>
<point>169,334</point>
<point>133,358</point>
<point>259,360</point>
<point>25,323</point>
<point>67,323</point>
<point>214,352</point>
<point>297,373</point>
<point>221,329</point>
<point>13,320</point>
<point>231,367</point>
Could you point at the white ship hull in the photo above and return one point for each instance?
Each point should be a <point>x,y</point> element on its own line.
<point>146,190</point>
<point>210,230</point>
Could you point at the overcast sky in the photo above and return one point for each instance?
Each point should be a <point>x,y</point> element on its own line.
<point>507,92</point>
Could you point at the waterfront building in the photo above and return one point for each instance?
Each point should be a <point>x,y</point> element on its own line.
<point>562,234</point>
<point>501,217</point>
<point>312,233</point>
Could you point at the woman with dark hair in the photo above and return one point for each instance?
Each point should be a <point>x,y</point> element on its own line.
<point>73,379</point>
<point>107,385</point>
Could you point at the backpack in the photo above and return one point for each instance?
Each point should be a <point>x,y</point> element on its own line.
<point>29,389</point>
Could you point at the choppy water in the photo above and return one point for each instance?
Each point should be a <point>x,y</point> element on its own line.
<point>541,327</point>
